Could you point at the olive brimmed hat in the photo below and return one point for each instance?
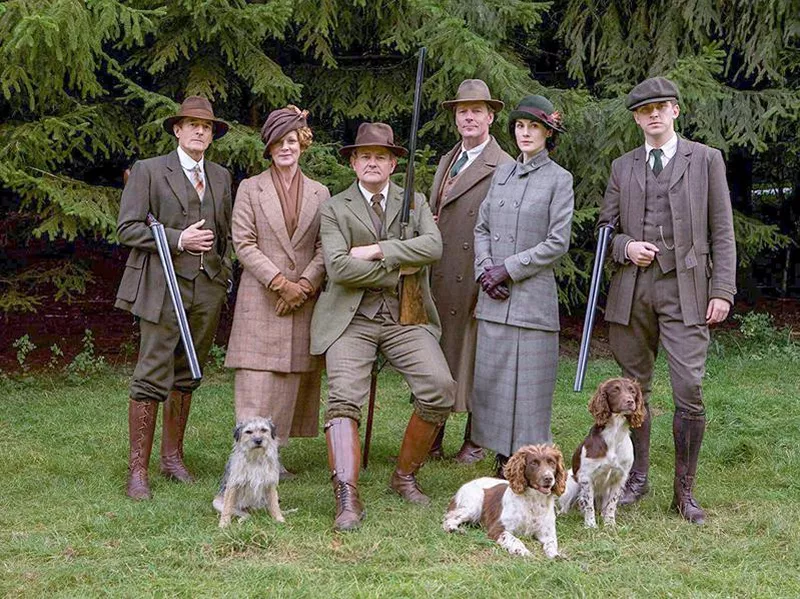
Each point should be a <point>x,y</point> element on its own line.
<point>536,108</point>
<point>197,107</point>
<point>374,134</point>
<point>474,90</point>
<point>655,89</point>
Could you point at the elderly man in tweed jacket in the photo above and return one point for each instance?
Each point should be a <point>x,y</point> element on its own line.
<point>677,256</point>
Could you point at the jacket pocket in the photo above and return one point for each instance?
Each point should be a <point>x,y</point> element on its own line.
<point>132,277</point>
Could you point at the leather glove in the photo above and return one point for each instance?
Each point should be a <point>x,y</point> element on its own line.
<point>282,308</point>
<point>307,287</point>
<point>493,276</point>
<point>500,293</point>
<point>289,292</point>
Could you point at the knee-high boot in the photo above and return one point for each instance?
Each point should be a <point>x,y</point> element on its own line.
<point>687,432</point>
<point>141,426</point>
<point>175,417</point>
<point>344,459</point>
<point>416,442</point>
<point>636,487</point>
<point>469,452</point>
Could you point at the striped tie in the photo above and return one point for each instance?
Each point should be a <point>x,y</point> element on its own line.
<point>197,181</point>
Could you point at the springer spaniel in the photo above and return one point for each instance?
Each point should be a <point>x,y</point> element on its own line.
<point>602,462</point>
<point>522,504</point>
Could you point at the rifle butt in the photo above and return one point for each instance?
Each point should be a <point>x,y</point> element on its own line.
<point>412,304</point>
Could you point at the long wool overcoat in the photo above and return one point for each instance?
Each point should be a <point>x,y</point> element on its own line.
<point>454,289</point>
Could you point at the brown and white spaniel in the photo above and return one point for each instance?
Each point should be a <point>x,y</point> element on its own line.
<point>602,462</point>
<point>522,504</point>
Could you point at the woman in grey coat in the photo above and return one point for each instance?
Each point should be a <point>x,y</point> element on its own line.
<point>523,228</point>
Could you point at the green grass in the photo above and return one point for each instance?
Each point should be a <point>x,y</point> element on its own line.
<point>67,530</point>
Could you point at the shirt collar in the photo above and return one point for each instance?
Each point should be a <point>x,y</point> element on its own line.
<point>669,148</point>
<point>368,196</point>
<point>474,152</point>
<point>187,162</point>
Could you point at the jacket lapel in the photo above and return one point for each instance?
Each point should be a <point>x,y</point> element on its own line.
<point>358,206</point>
<point>682,156</point>
<point>637,194</point>
<point>441,173</point>
<point>482,167</point>
<point>308,208</point>
<point>175,179</point>
<point>393,204</point>
<point>271,207</point>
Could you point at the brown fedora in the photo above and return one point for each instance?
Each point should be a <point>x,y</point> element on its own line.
<point>199,108</point>
<point>474,90</point>
<point>374,134</point>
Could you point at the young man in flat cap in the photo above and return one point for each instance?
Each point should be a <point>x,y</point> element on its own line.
<point>191,197</point>
<point>675,246</point>
<point>459,186</point>
<point>358,315</point>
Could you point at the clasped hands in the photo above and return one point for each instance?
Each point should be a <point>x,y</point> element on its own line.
<point>290,295</point>
<point>493,282</point>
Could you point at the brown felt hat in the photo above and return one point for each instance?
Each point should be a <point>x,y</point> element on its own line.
<point>374,134</point>
<point>279,123</point>
<point>197,107</point>
<point>655,89</point>
<point>474,90</point>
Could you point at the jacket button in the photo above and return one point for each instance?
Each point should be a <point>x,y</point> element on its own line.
<point>352,308</point>
<point>459,278</point>
<point>291,265</point>
<point>453,312</point>
<point>516,204</point>
<point>511,238</point>
<point>497,238</point>
<point>465,246</point>
<point>184,212</point>
<point>502,202</point>
<point>471,213</point>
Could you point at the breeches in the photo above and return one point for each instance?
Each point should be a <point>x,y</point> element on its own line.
<point>656,317</point>
<point>162,364</point>
<point>410,349</point>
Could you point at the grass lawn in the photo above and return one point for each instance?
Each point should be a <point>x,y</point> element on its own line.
<point>67,529</point>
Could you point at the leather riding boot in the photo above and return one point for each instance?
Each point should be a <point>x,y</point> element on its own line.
<point>437,451</point>
<point>175,416</point>
<point>636,487</point>
<point>416,443</point>
<point>141,426</point>
<point>469,452</point>
<point>687,432</point>
<point>344,459</point>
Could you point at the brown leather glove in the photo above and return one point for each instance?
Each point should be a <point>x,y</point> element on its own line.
<point>289,292</point>
<point>307,287</point>
<point>282,308</point>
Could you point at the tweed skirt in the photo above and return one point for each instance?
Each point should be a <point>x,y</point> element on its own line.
<point>515,377</point>
<point>291,399</point>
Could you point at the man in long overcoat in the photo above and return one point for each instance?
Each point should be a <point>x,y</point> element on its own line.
<point>358,315</point>
<point>459,186</point>
<point>677,274</point>
<point>191,197</point>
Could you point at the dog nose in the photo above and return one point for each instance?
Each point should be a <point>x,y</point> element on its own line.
<point>257,440</point>
<point>548,479</point>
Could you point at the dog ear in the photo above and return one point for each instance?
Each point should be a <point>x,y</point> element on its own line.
<point>237,431</point>
<point>598,406</point>
<point>637,417</point>
<point>561,473</point>
<point>272,429</point>
<point>514,471</point>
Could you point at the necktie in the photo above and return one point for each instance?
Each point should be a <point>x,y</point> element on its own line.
<point>377,209</point>
<point>462,160</point>
<point>197,181</point>
<point>657,165</point>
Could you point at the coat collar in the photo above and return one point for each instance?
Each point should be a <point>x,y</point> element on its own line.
<point>175,179</point>
<point>535,163</point>
<point>482,167</point>
<point>358,206</point>
<point>681,158</point>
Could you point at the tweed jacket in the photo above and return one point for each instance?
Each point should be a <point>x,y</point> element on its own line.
<point>260,339</point>
<point>524,223</point>
<point>702,220</point>
<point>158,186</point>
<point>452,284</point>
<point>345,223</point>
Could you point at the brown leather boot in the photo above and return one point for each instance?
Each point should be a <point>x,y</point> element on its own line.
<point>344,459</point>
<point>636,486</point>
<point>416,443</point>
<point>437,451</point>
<point>141,426</point>
<point>174,417</point>
<point>469,452</point>
<point>687,432</point>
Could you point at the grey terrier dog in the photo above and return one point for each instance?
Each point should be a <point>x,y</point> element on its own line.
<point>250,480</point>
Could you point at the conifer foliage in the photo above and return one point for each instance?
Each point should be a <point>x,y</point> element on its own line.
<point>85,84</point>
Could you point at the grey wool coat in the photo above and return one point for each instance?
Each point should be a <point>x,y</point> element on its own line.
<point>525,223</point>
<point>260,339</point>
<point>454,289</point>
<point>702,220</point>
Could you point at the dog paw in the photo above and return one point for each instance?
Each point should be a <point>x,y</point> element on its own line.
<point>610,523</point>
<point>521,551</point>
<point>590,524</point>
<point>224,522</point>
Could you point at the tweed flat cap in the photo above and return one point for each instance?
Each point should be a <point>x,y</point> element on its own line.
<point>655,89</point>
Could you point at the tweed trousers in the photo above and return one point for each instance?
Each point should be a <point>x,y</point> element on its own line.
<point>656,317</point>
<point>162,364</point>
<point>410,349</point>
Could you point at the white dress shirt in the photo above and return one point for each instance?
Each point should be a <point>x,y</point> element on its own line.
<point>472,154</point>
<point>669,149</point>
<point>368,195</point>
